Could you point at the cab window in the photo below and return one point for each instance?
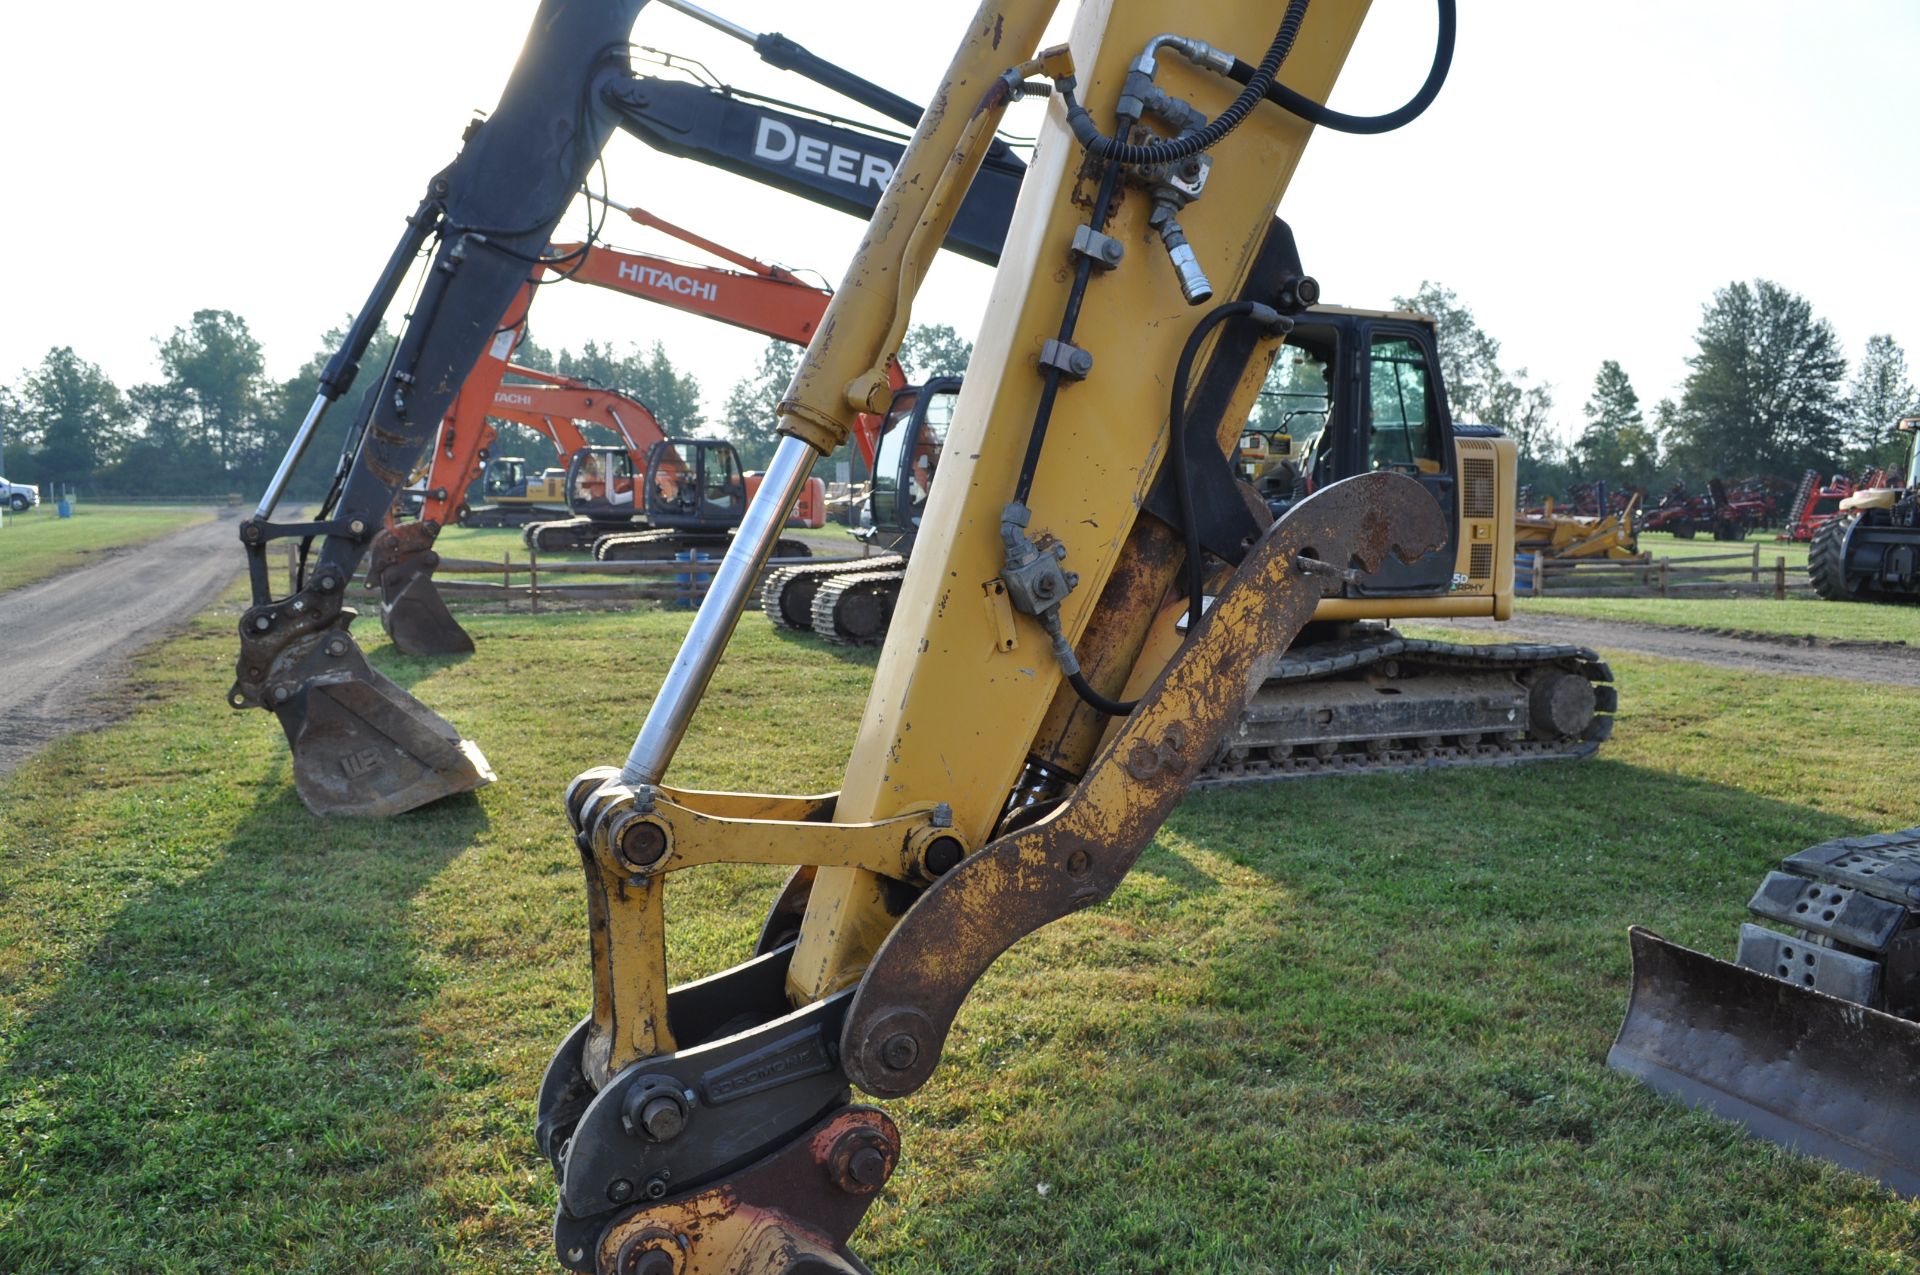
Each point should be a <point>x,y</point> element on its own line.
<point>1403,433</point>
<point>723,489</point>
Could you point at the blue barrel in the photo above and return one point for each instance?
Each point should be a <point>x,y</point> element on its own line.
<point>65,507</point>
<point>693,584</point>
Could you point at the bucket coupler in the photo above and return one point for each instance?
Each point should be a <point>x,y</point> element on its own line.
<point>361,744</point>
<point>416,618</point>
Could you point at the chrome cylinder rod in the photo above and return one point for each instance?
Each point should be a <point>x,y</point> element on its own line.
<point>297,449</point>
<point>713,624</point>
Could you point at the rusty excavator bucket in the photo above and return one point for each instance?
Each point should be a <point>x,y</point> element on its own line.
<point>361,744</point>
<point>401,563</point>
<point>1805,1037</point>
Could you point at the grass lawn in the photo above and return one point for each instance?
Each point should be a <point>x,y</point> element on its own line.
<point>1354,1025</point>
<point>1804,615</point>
<point>39,543</point>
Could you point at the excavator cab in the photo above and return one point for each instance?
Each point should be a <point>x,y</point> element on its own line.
<point>506,477</point>
<point>1397,421</point>
<point>904,463</point>
<point>694,484</point>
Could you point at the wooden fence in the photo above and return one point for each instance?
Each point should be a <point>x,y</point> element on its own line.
<point>1539,576</point>
<point>511,581</point>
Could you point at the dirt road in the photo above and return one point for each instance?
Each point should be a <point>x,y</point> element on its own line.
<point>67,639</point>
<point>1882,663</point>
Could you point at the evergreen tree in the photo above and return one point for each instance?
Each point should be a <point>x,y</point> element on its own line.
<point>1616,444</point>
<point>1879,395</point>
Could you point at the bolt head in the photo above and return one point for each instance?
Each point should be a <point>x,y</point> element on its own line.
<point>620,1190</point>
<point>900,1051</point>
<point>337,647</point>
<point>281,694</point>
<point>326,584</point>
<point>262,622</point>
<point>1081,361</point>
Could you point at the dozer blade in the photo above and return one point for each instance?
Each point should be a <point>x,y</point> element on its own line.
<point>411,609</point>
<point>1811,1072</point>
<point>362,745</point>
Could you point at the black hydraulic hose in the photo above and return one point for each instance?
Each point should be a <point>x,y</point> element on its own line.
<point>1177,442</point>
<point>1050,386</point>
<point>1113,707</point>
<point>1314,113</point>
<point>1122,152</point>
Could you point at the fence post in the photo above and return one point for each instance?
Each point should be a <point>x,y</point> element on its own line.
<point>1756,564</point>
<point>506,578</point>
<point>1539,574</point>
<point>533,579</point>
<point>1780,578</point>
<point>293,567</point>
<point>1663,576</point>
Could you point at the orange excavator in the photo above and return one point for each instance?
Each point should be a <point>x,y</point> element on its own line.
<point>688,492</point>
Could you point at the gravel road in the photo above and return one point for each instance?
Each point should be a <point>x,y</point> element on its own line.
<point>67,639</point>
<point>1882,663</point>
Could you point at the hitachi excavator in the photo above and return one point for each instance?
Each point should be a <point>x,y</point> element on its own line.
<point>688,492</point>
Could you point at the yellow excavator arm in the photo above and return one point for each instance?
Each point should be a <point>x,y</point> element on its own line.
<point>1024,738</point>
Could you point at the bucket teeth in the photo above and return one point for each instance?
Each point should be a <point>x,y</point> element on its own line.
<point>411,609</point>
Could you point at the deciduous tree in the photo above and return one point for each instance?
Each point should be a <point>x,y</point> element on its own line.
<point>1764,393</point>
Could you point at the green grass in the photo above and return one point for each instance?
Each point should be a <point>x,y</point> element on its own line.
<point>1663,544</point>
<point>39,543</point>
<point>1801,616</point>
<point>1354,1025</point>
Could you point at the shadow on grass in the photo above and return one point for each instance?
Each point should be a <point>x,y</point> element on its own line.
<point>231,1076</point>
<point>1392,1056</point>
<point>814,643</point>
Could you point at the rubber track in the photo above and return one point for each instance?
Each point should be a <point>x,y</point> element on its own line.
<point>1324,661</point>
<point>778,580</point>
<point>667,539</point>
<point>826,603</point>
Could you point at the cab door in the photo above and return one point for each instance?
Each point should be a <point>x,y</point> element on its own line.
<point>1407,430</point>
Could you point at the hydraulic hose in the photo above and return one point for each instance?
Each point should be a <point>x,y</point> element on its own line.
<point>1314,113</point>
<point>1257,85</point>
<point>1177,443</point>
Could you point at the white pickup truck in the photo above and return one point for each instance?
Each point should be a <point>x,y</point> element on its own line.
<point>19,496</point>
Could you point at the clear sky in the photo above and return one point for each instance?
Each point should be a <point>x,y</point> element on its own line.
<point>1589,176</point>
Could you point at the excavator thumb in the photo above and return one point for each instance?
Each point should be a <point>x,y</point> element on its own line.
<point>412,612</point>
<point>1824,1076</point>
<point>361,745</point>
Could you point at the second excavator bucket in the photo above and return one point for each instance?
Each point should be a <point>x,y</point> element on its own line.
<point>362,745</point>
<point>1800,1068</point>
<point>411,610</point>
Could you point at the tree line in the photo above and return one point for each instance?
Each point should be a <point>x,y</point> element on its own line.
<point>1768,394</point>
<point>214,422</point>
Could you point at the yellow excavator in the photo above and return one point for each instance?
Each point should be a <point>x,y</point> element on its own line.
<point>1063,662</point>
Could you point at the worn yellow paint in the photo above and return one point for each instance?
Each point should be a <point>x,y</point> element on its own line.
<point>952,714</point>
